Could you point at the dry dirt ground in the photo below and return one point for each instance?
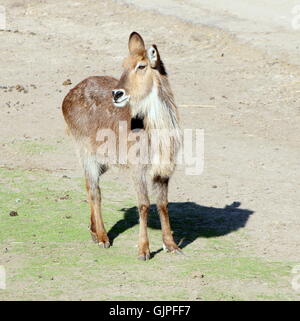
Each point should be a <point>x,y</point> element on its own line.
<point>240,217</point>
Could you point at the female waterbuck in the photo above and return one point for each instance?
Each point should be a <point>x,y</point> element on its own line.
<point>142,96</point>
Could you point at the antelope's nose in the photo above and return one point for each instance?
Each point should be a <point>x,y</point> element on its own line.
<point>117,94</point>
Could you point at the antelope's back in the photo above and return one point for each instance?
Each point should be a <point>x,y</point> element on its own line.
<point>88,107</point>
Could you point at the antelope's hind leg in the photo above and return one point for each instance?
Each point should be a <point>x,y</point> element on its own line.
<point>93,170</point>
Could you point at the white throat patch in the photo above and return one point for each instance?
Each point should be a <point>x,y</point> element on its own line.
<point>158,114</point>
<point>162,125</point>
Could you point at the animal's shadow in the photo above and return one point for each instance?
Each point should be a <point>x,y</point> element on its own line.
<point>189,221</point>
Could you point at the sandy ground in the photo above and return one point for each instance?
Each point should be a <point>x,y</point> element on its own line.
<point>272,25</point>
<point>249,77</point>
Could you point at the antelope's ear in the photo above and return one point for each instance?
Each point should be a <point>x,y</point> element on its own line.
<point>153,56</point>
<point>135,43</point>
<point>155,61</point>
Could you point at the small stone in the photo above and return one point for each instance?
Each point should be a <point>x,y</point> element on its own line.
<point>20,88</point>
<point>67,82</point>
<point>197,275</point>
<point>65,197</point>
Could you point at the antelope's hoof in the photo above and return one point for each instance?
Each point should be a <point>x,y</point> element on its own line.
<point>144,257</point>
<point>104,245</point>
<point>178,251</point>
<point>103,242</point>
<point>173,248</point>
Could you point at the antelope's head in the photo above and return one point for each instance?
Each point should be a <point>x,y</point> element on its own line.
<point>142,69</point>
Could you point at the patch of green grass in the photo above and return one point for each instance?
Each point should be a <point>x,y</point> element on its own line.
<point>240,268</point>
<point>215,294</point>
<point>48,253</point>
<point>50,208</point>
<point>221,244</point>
<point>273,297</point>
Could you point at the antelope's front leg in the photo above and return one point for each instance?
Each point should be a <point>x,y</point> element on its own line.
<point>144,251</point>
<point>168,240</point>
<point>161,186</point>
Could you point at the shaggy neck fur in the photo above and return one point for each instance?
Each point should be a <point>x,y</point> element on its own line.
<point>158,108</point>
<point>160,119</point>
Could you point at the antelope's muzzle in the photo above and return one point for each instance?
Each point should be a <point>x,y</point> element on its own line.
<point>120,98</point>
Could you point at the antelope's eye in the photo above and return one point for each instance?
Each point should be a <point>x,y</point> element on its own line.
<point>142,67</point>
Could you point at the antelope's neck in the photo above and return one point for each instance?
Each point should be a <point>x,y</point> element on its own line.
<point>157,109</point>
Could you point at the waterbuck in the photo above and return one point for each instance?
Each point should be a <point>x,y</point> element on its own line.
<point>142,95</point>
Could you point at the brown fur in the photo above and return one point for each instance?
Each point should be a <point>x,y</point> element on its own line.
<point>88,108</point>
